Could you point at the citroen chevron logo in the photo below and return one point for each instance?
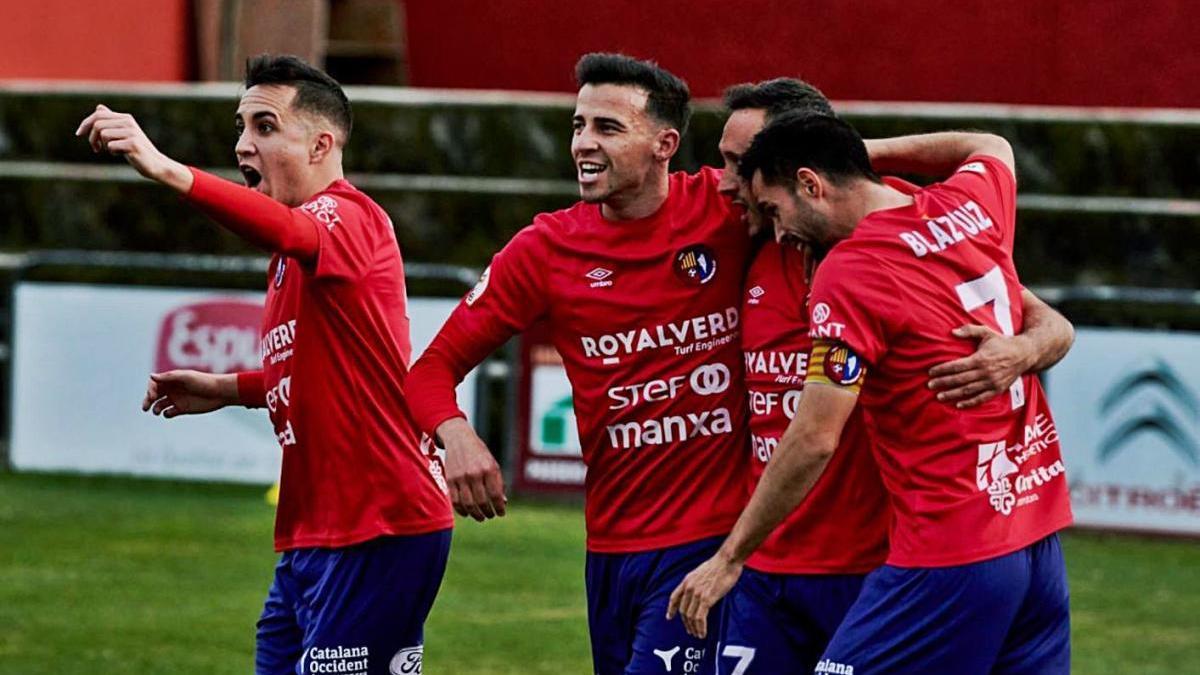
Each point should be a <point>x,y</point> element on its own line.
<point>1151,399</point>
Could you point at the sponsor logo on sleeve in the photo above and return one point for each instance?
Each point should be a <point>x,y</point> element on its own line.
<point>822,324</point>
<point>280,268</point>
<point>480,286</point>
<point>324,209</point>
<point>214,337</point>
<point>696,264</point>
<point>820,313</point>
<point>973,167</point>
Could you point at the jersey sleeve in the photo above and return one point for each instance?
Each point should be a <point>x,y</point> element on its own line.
<point>511,295</point>
<point>255,217</point>
<point>854,301</point>
<point>348,236</point>
<point>992,185</point>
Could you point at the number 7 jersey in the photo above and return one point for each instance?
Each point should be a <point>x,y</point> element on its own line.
<point>965,485</point>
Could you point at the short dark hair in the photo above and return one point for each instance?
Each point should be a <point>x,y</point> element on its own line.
<point>798,139</point>
<point>777,96</point>
<point>316,92</point>
<point>669,98</point>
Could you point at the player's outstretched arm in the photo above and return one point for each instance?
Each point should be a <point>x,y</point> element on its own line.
<point>255,217</point>
<point>189,392</point>
<point>1000,360</point>
<point>802,455</point>
<point>119,134</point>
<point>936,154</point>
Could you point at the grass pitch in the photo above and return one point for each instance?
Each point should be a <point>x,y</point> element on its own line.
<point>105,575</point>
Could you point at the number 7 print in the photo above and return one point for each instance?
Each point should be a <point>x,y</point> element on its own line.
<point>991,288</point>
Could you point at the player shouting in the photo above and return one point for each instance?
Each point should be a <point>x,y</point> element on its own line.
<point>975,580</point>
<point>639,283</point>
<point>363,521</point>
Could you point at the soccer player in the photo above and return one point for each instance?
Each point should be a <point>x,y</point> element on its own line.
<point>799,584</point>
<point>363,521</point>
<point>975,581</point>
<point>640,285</point>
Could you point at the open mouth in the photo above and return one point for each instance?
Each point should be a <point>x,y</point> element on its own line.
<point>250,175</point>
<point>788,239</point>
<point>590,171</point>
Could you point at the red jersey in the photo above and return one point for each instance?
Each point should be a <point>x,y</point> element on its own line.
<point>966,485</point>
<point>645,314</point>
<point>841,527</point>
<point>335,351</point>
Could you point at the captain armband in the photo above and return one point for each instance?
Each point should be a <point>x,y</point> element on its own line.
<point>833,362</point>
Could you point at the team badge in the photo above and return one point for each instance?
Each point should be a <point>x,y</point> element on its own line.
<point>279,270</point>
<point>843,366</point>
<point>696,264</point>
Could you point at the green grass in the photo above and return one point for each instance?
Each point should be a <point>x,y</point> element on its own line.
<point>104,575</point>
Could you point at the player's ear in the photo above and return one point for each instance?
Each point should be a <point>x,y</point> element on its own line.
<point>322,144</point>
<point>808,183</point>
<point>666,144</point>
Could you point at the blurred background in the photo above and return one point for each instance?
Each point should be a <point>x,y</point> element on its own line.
<point>129,544</point>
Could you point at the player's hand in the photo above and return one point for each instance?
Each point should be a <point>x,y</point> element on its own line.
<point>188,392</point>
<point>996,364</point>
<point>119,134</point>
<point>702,588</point>
<point>472,474</point>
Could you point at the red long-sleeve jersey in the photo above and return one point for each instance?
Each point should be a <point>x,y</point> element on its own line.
<point>645,314</point>
<point>335,347</point>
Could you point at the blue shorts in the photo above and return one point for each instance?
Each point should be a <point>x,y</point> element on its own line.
<point>781,623</point>
<point>1008,616</point>
<point>358,610</point>
<point>628,595</point>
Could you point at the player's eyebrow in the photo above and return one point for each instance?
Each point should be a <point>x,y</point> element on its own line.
<point>261,114</point>
<point>600,120</point>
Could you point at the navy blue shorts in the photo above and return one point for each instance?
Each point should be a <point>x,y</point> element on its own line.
<point>358,610</point>
<point>781,623</point>
<point>1007,616</point>
<point>628,595</point>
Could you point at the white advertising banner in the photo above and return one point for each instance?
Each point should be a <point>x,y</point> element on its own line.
<point>1127,407</point>
<point>82,356</point>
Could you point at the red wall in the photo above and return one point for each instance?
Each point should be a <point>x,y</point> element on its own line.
<point>1071,52</point>
<point>96,40</point>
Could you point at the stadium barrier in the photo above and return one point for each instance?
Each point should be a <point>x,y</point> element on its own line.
<point>77,356</point>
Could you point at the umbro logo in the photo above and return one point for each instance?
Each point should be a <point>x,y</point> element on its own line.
<point>756,293</point>
<point>599,277</point>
